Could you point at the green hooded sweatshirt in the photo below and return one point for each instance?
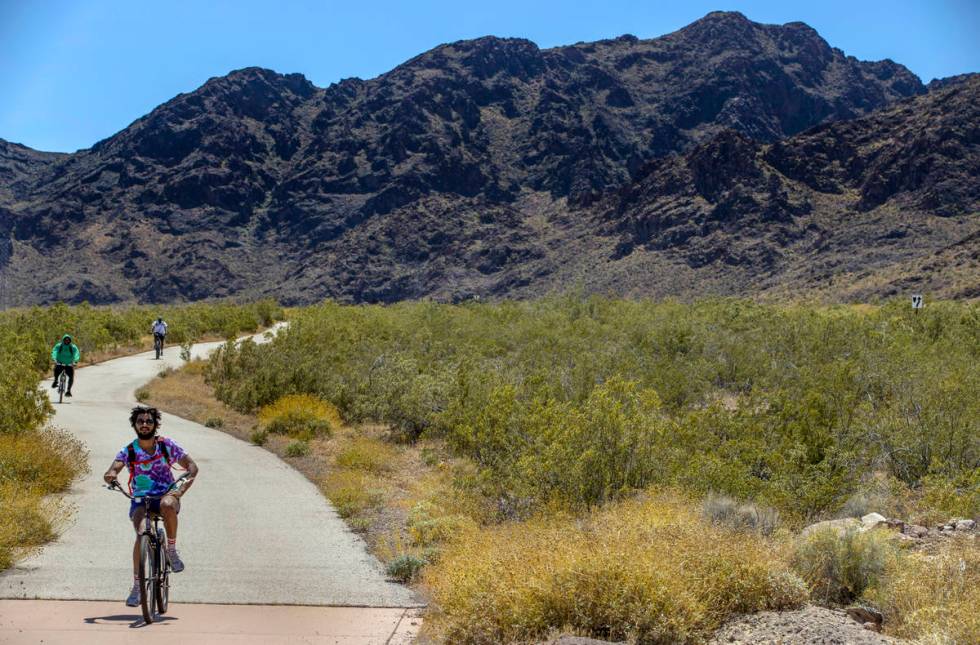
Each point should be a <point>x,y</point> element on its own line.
<point>65,354</point>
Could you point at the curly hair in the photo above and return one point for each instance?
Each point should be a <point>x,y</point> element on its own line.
<point>141,410</point>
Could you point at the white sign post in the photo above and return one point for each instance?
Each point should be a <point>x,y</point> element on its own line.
<point>917,302</point>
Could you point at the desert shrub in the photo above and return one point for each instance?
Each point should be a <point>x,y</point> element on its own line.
<point>839,566</point>
<point>429,525</point>
<point>299,415</point>
<point>405,568</point>
<point>351,492</point>
<point>721,509</point>
<point>142,394</point>
<point>933,597</point>
<point>367,454</point>
<point>258,437</point>
<point>297,448</point>
<point>214,422</point>
<point>646,571</point>
<point>532,391</point>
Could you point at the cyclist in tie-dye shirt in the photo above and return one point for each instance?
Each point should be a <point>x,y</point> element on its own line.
<point>149,459</point>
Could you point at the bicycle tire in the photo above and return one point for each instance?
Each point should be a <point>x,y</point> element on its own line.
<point>162,576</point>
<point>147,588</point>
<point>61,387</point>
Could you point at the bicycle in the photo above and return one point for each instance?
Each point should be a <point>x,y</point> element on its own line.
<point>158,344</point>
<point>154,566</point>
<point>62,383</point>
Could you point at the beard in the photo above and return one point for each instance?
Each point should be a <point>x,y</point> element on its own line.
<point>146,435</point>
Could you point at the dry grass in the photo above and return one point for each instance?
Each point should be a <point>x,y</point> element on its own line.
<point>300,405</point>
<point>934,598</point>
<point>33,465</point>
<point>646,570</point>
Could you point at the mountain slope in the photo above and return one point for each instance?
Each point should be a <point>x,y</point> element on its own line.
<point>472,168</point>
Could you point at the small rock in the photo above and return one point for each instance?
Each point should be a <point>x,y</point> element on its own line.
<point>864,614</point>
<point>897,525</point>
<point>872,520</point>
<point>965,525</point>
<point>916,531</point>
<point>872,627</point>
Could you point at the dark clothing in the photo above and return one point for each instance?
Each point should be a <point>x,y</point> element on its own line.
<point>154,507</point>
<point>69,370</point>
<point>161,337</point>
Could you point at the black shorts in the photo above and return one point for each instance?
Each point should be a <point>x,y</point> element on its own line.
<point>154,506</point>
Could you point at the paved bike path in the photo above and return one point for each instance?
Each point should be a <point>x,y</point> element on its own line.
<point>252,530</point>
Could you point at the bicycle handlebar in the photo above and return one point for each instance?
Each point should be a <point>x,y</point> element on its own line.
<point>115,485</point>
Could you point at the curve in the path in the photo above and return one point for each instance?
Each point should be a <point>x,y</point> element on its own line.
<point>253,530</point>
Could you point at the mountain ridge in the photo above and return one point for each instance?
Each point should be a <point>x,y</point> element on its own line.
<point>461,171</point>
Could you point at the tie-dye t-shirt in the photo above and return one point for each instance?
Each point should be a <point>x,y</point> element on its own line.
<point>153,477</point>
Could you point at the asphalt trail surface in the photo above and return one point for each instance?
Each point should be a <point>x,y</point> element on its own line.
<point>252,530</point>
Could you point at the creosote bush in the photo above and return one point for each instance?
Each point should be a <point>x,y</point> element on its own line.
<point>575,402</point>
<point>645,570</point>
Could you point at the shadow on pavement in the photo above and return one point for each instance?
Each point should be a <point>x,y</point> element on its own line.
<point>134,620</point>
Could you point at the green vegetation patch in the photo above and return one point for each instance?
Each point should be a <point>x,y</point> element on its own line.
<point>570,402</point>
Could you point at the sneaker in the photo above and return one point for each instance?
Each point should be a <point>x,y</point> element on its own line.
<point>134,596</point>
<point>68,393</point>
<point>54,386</point>
<point>176,564</point>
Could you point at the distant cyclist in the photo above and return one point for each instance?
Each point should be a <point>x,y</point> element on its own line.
<point>159,329</point>
<point>65,356</point>
<point>149,460</point>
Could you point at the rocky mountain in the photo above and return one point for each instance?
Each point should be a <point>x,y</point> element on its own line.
<point>494,167</point>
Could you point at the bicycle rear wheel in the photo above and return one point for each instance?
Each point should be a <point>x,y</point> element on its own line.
<point>147,586</point>
<point>162,577</point>
<point>61,387</point>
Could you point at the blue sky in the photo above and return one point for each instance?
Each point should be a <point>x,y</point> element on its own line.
<point>75,72</point>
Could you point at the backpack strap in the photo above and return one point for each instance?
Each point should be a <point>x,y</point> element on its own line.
<point>163,450</point>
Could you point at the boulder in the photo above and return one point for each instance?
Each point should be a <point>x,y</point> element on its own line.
<point>965,525</point>
<point>840,526</point>
<point>874,520</point>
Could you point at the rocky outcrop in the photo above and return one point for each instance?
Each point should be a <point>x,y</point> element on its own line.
<point>800,627</point>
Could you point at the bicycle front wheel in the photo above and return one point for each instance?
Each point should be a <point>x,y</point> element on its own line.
<point>147,586</point>
<point>61,388</point>
<point>162,577</point>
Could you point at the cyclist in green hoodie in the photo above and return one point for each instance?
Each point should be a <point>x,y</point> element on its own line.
<point>65,355</point>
